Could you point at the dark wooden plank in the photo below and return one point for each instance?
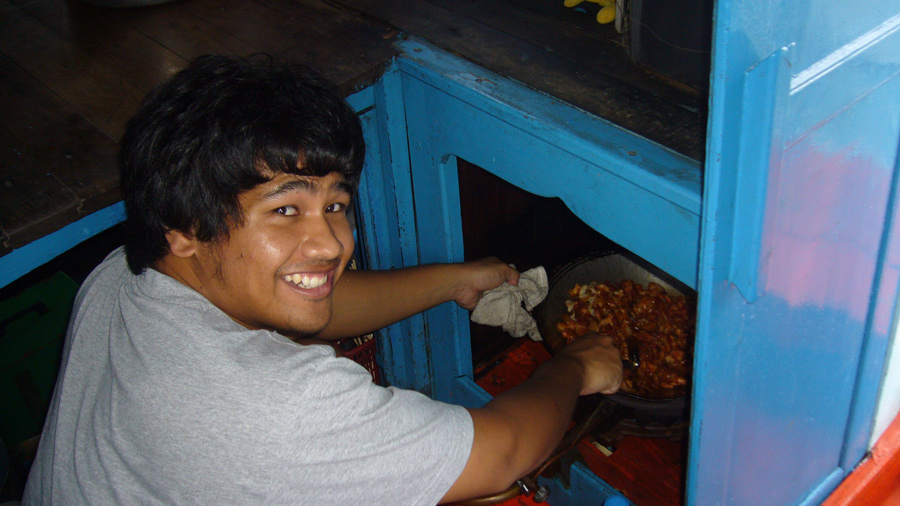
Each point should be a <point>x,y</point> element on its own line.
<point>575,35</point>
<point>182,32</point>
<point>100,67</point>
<point>4,243</point>
<point>57,166</point>
<point>344,46</point>
<point>645,113</point>
<point>27,193</point>
<point>648,471</point>
<point>100,34</point>
<point>72,74</point>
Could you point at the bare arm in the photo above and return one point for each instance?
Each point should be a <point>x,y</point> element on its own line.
<point>365,301</point>
<point>519,429</point>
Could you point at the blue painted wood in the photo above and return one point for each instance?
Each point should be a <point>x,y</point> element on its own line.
<point>847,74</point>
<point>635,192</point>
<point>468,393</point>
<point>362,100</point>
<point>376,224</point>
<point>764,97</point>
<point>824,488</point>
<point>23,260</point>
<point>880,324</point>
<point>649,165</point>
<point>387,223</point>
<point>784,386</point>
<point>439,240</point>
<point>647,197</point>
<point>584,488</point>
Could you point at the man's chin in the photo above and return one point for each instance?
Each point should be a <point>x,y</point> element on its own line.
<point>306,341</point>
<point>305,330</point>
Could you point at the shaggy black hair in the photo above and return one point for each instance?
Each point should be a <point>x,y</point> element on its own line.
<point>217,129</point>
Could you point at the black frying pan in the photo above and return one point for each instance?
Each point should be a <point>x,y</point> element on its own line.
<point>610,267</point>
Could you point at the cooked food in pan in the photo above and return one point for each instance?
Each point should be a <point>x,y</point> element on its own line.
<point>652,328</point>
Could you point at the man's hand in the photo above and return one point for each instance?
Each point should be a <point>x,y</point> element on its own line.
<point>521,427</point>
<point>479,276</point>
<point>601,360</point>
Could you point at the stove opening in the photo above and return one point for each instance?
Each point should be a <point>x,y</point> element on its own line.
<point>518,227</point>
<point>642,457</point>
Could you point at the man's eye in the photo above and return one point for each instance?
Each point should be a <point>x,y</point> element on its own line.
<point>287,210</point>
<point>337,207</point>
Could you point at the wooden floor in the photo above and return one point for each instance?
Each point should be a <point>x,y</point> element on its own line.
<point>563,52</point>
<point>71,74</point>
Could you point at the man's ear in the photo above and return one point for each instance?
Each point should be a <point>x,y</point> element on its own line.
<point>181,245</point>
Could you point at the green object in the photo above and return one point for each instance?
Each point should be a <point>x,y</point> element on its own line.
<point>32,331</point>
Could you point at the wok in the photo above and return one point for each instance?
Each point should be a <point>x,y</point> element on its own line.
<point>610,267</point>
<point>605,266</point>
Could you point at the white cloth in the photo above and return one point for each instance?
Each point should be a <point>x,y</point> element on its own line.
<point>509,306</point>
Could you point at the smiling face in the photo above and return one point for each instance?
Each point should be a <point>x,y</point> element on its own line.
<point>278,269</point>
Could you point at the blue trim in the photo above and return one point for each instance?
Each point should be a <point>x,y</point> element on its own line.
<point>821,491</point>
<point>765,89</point>
<point>21,261</point>
<point>584,135</point>
<point>362,99</point>
<point>879,332</point>
<point>469,394</point>
<point>584,488</point>
<point>635,192</point>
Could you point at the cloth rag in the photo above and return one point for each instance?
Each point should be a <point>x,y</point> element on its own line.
<point>509,306</point>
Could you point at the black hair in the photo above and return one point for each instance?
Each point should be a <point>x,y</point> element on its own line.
<point>219,128</point>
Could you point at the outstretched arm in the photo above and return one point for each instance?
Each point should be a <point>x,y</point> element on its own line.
<point>365,301</point>
<point>519,429</point>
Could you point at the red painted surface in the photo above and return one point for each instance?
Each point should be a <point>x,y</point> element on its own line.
<point>650,472</point>
<point>514,367</point>
<point>518,501</point>
<point>876,481</point>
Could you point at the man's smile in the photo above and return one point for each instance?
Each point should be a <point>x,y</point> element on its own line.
<point>307,280</point>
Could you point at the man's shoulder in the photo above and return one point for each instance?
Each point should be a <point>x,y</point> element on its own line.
<point>109,272</point>
<point>113,284</point>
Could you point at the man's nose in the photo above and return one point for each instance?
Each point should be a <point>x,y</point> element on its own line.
<point>321,242</point>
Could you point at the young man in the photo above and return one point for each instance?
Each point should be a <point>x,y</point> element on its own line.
<point>189,373</point>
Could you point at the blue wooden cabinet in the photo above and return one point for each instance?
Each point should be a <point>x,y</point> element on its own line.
<point>798,260</point>
<point>787,231</point>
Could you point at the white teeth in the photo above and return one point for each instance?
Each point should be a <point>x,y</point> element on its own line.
<point>305,281</point>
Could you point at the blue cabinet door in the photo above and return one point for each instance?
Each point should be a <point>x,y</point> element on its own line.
<point>798,264</point>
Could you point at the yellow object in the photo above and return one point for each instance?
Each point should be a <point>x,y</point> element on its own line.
<point>607,12</point>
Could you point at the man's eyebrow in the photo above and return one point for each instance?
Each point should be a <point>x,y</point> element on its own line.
<point>342,187</point>
<point>305,184</point>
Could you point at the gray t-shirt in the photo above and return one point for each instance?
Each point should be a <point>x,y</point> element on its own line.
<point>163,399</point>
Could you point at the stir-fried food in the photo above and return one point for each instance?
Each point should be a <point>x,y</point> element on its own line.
<point>650,327</point>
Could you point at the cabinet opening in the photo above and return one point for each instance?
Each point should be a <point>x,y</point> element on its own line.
<point>642,456</point>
